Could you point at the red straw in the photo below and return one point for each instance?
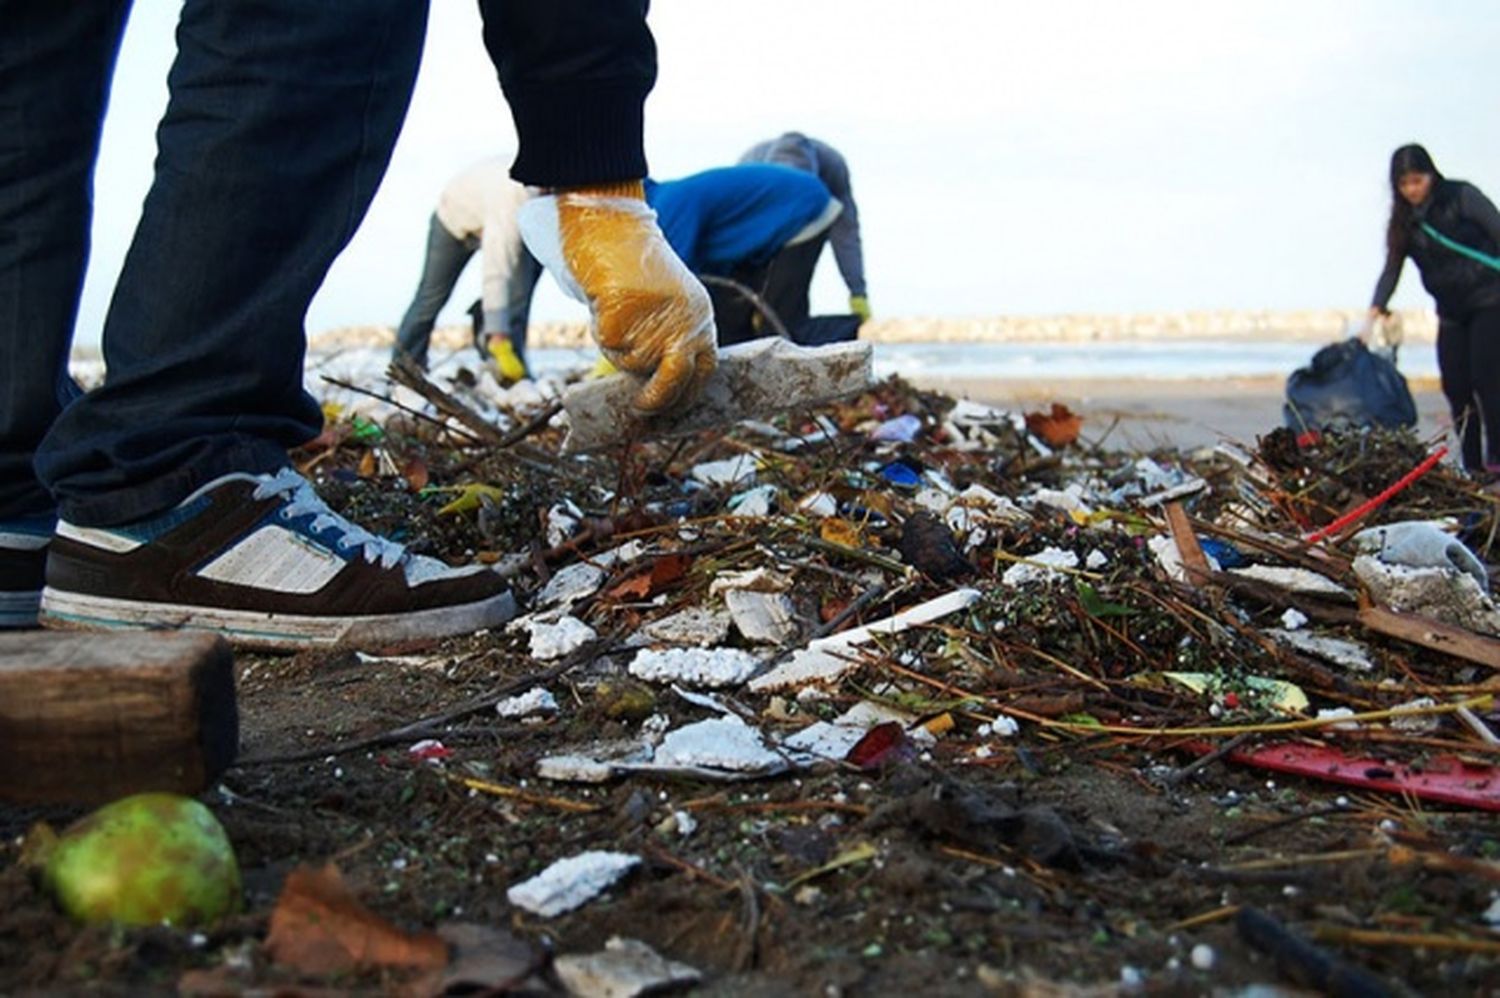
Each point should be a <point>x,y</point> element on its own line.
<point>1369,506</point>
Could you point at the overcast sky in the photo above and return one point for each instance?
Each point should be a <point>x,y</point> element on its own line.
<point>1008,158</point>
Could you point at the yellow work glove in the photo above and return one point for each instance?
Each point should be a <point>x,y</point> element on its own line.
<point>651,316</point>
<point>503,354</point>
<point>860,306</point>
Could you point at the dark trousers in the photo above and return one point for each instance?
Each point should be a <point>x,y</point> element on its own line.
<point>1468,351</point>
<point>280,122</point>
<point>783,281</point>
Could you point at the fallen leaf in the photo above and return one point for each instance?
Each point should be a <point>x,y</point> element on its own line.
<point>669,570</point>
<point>634,588</point>
<point>836,531</point>
<point>416,474</point>
<point>469,497</point>
<point>367,465</point>
<point>320,927</point>
<point>1058,428</point>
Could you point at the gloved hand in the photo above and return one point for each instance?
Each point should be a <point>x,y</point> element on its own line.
<point>651,316</point>
<point>860,306</point>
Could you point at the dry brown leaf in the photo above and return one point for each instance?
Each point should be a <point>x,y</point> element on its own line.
<point>836,531</point>
<point>1058,428</point>
<point>368,465</point>
<point>669,570</point>
<point>416,474</point>
<point>320,927</point>
<point>633,588</point>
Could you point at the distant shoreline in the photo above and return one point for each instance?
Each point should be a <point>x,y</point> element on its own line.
<point>1227,325</point>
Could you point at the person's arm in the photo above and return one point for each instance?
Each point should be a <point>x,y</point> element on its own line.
<point>1472,204</point>
<point>848,250</point>
<point>1386,286</point>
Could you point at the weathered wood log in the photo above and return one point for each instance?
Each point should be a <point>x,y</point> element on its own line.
<point>87,718</point>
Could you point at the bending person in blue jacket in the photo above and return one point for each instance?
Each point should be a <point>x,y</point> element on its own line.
<point>759,224</point>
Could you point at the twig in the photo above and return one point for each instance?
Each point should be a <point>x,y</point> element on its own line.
<point>417,413</point>
<point>1206,918</point>
<point>761,305</point>
<point>1177,776</point>
<point>525,796</point>
<point>873,594</point>
<point>1416,940</point>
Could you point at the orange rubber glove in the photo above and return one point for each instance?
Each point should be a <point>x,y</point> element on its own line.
<point>651,316</point>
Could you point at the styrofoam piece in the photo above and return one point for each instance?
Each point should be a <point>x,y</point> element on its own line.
<point>723,743</point>
<point>536,700</point>
<point>1039,567</point>
<point>730,471</point>
<point>567,635</point>
<point>1416,723</point>
<point>761,580</point>
<point>696,625</point>
<point>571,584</point>
<point>572,882</point>
<point>712,667</point>
<point>1096,560</point>
<point>766,618</point>
<point>1297,580</point>
<point>828,659</point>
<point>1069,500</point>
<point>625,968</point>
<point>1349,654</point>
<point>1293,618</point>
<point>1441,593</point>
<point>833,739</point>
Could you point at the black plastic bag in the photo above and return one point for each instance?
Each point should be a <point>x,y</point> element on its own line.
<point>1347,386</point>
<point>820,330</point>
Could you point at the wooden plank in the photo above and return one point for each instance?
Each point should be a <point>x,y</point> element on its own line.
<point>1194,561</point>
<point>87,718</point>
<point>1433,634</point>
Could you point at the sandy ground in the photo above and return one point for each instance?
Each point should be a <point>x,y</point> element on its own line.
<point>1187,413</point>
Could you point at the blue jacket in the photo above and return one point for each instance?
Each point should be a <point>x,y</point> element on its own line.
<point>721,218</point>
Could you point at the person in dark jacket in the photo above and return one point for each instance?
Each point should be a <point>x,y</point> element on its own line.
<point>1452,232</point>
<point>760,225</point>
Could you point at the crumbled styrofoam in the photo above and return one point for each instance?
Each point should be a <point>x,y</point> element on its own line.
<point>575,769</point>
<point>723,743</point>
<point>1039,567</point>
<point>1325,713</point>
<point>833,739</point>
<point>760,580</point>
<point>1069,500</point>
<point>577,581</point>
<point>713,667</point>
<point>827,659</point>
<point>562,520</point>
<point>1095,560</point>
<point>1349,654</point>
<point>569,883</point>
<point>536,700</point>
<point>625,968</point>
<point>766,618</point>
<point>729,471</point>
<point>820,504</point>
<point>554,640</point>
<point>1297,580</point>
<point>1003,726</point>
<point>1440,593</point>
<point>696,625</point>
<point>1293,618</point>
<point>1416,723</point>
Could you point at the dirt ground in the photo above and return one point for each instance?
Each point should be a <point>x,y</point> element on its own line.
<point>1052,862</point>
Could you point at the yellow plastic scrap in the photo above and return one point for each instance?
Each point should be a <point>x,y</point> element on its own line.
<point>469,497</point>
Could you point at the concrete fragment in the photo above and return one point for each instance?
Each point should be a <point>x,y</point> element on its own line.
<point>756,380</point>
<point>766,618</point>
<point>713,667</point>
<point>625,968</point>
<point>569,883</point>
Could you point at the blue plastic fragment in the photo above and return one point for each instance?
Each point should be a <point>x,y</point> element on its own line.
<point>901,474</point>
<point>1227,555</point>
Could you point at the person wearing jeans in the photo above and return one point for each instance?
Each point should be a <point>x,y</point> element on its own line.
<point>476,213</point>
<point>169,485</point>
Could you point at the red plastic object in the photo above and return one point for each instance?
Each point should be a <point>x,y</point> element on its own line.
<point>882,745</point>
<point>1447,779</point>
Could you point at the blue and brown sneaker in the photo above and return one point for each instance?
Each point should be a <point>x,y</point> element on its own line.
<point>23,563</point>
<point>261,560</point>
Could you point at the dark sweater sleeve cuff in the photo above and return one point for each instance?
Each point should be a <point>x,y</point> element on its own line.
<point>575,136</point>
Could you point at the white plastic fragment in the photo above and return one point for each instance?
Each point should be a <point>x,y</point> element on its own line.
<point>754,502</point>
<point>827,659</point>
<point>1416,723</point>
<point>1293,618</point>
<point>725,743</point>
<point>713,667</point>
<point>768,618</point>
<point>1170,559</point>
<point>696,625</point>
<point>562,520</point>
<point>1039,567</point>
<point>554,640</point>
<point>1349,654</point>
<point>1096,560</point>
<point>571,584</point>
<point>1069,500</point>
<point>729,471</point>
<point>1187,488</point>
<point>625,968</point>
<point>1325,713</point>
<point>569,883</point>
<point>536,700</point>
<point>821,504</point>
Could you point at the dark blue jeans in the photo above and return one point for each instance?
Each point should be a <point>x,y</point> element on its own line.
<point>280,124</point>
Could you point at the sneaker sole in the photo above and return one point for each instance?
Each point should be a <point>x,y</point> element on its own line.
<point>19,609</point>
<point>248,629</point>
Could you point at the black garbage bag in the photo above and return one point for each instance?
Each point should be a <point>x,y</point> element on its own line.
<point>1346,386</point>
<point>820,330</point>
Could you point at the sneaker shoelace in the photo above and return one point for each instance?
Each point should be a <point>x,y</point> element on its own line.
<point>301,500</point>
